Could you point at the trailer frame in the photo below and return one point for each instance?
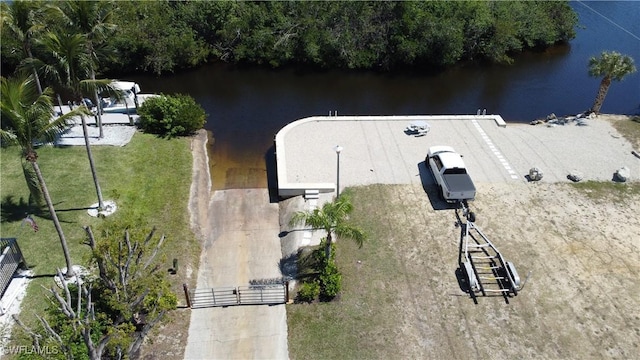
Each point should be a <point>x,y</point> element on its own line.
<point>485,269</point>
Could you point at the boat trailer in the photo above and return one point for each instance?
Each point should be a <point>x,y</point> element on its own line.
<point>485,269</point>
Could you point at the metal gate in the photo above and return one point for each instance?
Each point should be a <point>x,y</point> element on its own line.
<point>10,260</point>
<point>242,295</point>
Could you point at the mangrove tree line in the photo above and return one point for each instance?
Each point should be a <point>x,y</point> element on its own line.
<point>165,36</point>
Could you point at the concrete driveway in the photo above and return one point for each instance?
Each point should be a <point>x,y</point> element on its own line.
<point>242,245</point>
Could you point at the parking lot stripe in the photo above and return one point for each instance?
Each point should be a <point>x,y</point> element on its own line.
<point>495,150</point>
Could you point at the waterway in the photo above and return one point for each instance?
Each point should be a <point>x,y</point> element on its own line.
<point>247,107</point>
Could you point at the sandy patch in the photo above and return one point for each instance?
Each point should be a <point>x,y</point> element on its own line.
<point>582,298</point>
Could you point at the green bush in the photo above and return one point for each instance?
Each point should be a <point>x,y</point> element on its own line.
<point>308,292</point>
<point>330,281</point>
<point>171,115</point>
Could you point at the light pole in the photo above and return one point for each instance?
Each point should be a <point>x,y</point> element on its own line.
<point>338,149</point>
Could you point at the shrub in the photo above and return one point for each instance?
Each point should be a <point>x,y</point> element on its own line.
<point>330,281</point>
<point>308,292</point>
<point>171,115</point>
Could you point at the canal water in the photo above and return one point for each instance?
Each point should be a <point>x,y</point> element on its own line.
<point>247,107</point>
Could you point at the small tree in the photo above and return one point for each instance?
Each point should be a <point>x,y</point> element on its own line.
<point>610,66</point>
<point>322,277</point>
<point>110,315</point>
<point>332,218</point>
<point>170,116</point>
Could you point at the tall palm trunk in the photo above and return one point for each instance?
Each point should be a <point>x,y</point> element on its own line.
<point>54,216</point>
<point>98,107</point>
<point>36,198</point>
<point>35,73</point>
<point>602,93</point>
<point>327,248</point>
<point>85,132</point>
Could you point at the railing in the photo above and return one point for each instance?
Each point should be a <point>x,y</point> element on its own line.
<point>10,260</point>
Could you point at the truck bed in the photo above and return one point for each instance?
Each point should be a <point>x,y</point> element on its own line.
<point>460,185</point>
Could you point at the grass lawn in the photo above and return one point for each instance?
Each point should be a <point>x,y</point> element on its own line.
<point>630,129</point>
<point>149,179</point>
<point>353,325</point>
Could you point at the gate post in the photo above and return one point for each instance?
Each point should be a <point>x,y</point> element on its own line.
<point>286,291</point>
<point>186,294</point>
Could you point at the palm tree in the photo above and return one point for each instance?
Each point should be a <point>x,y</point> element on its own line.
<point>27,117</point>
<point>92,19</point>
<point>610,66</point>
<point>22,19</point>
<point>332,218</point>
<point>70,70</point>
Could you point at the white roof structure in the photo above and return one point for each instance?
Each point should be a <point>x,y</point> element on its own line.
<point>126,86</point>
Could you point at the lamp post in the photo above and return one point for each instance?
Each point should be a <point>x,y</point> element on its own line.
<point>338,149</point>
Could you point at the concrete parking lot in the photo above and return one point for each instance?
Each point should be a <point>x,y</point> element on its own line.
<point>377,150</point>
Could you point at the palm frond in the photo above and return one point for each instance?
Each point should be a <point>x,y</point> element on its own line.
<point>611,64</point>
<point>351,232</point>
<point>104,86</point>
<point>28,116</point>
<point>7,136</point>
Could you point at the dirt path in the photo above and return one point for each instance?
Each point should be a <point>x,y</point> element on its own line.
<point>200,185</point>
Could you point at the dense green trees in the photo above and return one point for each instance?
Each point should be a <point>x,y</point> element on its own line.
<point>163,36</point>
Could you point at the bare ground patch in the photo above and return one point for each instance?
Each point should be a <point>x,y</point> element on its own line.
<point>402,298</point>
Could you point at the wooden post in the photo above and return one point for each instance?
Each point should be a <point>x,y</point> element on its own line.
<point>186,294</point>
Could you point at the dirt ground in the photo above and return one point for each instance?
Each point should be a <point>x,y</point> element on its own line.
<point>581,301</point>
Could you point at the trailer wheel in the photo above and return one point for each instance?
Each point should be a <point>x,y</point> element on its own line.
<point>471,276</point>
<point>472,216</point>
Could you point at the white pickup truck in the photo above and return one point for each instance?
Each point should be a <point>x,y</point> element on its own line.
<point>450,173</point>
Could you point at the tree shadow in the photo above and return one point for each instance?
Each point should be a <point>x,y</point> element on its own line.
<point>77,209</point>
<point>12,210</point>
<point>288,265</point>
<point>41,276</point>
<point>300,265</point>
